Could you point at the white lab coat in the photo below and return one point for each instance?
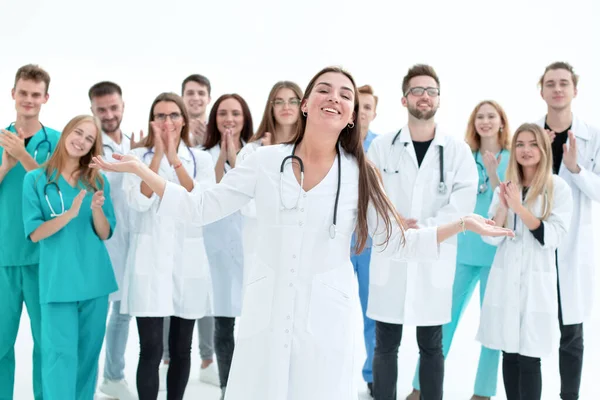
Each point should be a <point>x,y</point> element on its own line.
<point>576,269</point>
<point>301,300</point>
<point>118,244</point>
<point>420,293</point>
<point>520,306</point>
<point>225,250</point>
<point>167,267</point>
<point>250,223</point>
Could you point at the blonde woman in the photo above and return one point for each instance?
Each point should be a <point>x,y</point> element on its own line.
<point>520,308</point>
<point>67,208</point>
<point>488,135</point>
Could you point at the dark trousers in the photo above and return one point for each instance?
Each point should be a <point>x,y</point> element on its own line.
<point>151,348</point>
<point>570,357</point>
<point>385,361</point>
<point>522,377</point>
<point>224,346</point>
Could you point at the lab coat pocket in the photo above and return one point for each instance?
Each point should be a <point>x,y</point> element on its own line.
<point>329,315</point>
<point>542,293</point>
<point>258,302</point>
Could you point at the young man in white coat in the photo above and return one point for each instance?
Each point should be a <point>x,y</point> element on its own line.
<point>576,157</point>
<point>108,106</point>
<point>431,178</point>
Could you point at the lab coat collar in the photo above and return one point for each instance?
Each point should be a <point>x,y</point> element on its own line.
<point>183,152</point>
<point>577,126</point>
<point>438,140</point>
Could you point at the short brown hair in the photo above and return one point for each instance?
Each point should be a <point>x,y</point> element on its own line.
<point>418,70</point>
<point>31,72</point>
<point>367,89</point>
<point>199,79</point>
<point>560,65</point>
<point>104,88</point>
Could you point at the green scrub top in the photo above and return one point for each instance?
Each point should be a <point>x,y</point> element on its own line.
<point>74,263</point>
<point>16,250</point>
<point>472,250</point>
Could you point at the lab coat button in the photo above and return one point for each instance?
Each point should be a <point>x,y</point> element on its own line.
<point>287,331</point>
<point>292,270</point>
<point>300,223</point>
<point>302,210</point>
<point>288,317</point>
<point>291,284</point>
<point>304,195</point>
<point>294,256</point>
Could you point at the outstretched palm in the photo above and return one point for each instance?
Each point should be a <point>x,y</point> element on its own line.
<point>485,227</point>
<point>125,163</point>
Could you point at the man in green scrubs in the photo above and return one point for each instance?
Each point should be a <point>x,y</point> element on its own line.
<point>24,146</point>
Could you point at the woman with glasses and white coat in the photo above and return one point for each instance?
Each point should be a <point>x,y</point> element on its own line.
<point>296,340</point>
<point>167,272</point>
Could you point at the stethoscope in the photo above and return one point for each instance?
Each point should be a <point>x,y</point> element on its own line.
<point>483,186</point>
<point>441,185</point>
<point>151,152</point>
<point>293,157</point>
<point>53,213</point>
<point>37,146</point>
<point>109,147</point>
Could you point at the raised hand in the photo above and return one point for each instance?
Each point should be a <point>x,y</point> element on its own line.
<point>512,196</point>
<point>8,161</point>
<point>124,163</point>
<point>132,143</point>
<point>491,163</point>
<point>158,130</point>
<point>76,205</point>
<point>570,154</point>
<point>502,195</point>
<point>411,223</point>
<point>13,144</point>
<point>267,140</point>
<point>551,134</point>
<point>231,153</point>
<point>485,227</point>
<point>172,144</point>
<point>197,132</point>
<point>98,199</point>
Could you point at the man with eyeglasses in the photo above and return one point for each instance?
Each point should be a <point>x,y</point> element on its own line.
<point>431,178</point>
<point>108,106</point>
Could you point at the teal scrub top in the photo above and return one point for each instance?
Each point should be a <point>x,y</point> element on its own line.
<point>16,250</point>
<point>472,250</point>
<point>74,263</point>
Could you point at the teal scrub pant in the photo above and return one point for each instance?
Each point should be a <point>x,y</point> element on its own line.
<point>18,284</point>
<point>465,281</point>
<point>72,336</point>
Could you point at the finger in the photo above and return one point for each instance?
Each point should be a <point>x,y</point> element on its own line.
<point>565,150</point>
<point>499,158</point>
<point>21,133</point>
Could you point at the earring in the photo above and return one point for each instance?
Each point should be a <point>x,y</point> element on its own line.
<point>501,129</point>
<point>304,113</point>
<point>351,125</point>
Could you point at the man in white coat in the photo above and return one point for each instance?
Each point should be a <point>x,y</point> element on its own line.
<point>431,178</point>
<point>576,157</point>
<point>107,105</point>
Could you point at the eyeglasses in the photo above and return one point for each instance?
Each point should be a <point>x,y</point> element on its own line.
<point>291,102</point>
<point>163,117</point>
<point>419,91</point>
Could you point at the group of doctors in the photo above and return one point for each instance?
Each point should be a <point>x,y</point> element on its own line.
<point>258,230</point>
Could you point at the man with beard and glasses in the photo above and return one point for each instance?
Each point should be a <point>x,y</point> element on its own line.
<point>431,178</point>
<point>107,105</point>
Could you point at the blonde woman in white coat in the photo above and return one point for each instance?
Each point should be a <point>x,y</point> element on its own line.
<point>296,340</point>
<point>167,270</point>
<point>520,307</point>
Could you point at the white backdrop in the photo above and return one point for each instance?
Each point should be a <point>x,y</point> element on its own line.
<point>480,50</point>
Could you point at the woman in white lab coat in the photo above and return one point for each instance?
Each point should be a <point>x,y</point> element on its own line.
<point>229,128</point>
<point>167,269</point>
<point>280,123</point>
<point>520,307</point>
<point>296,337</point>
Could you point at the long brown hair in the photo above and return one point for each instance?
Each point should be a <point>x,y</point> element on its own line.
<point>472,137</point>
<point>268,123</point>
<point>90,177</point>
<point>542,183</point>
<point>213,136</point>
<point>370,185</point>
<point>148,142</point>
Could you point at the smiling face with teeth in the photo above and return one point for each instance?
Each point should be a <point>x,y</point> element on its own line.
<point>331,102</point>
<point>487,121</point>
<point>527,149</point>
<point>81,139</point>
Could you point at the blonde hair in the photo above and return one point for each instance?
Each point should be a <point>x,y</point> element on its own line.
<point>472,137</point>
<point>90,177</point>
<point>542,183</point>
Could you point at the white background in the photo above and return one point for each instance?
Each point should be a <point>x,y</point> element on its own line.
<point>480,49</point>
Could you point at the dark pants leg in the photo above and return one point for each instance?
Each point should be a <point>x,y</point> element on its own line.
<point>385,360</point>
<point>150,330</point>
<point>224,346</point>
<point>570,356</point>
<point>522,377</point>
<point>431,369</point>
<point>180,347</point>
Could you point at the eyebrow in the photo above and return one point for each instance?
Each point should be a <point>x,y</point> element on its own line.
<point>329,85</point>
